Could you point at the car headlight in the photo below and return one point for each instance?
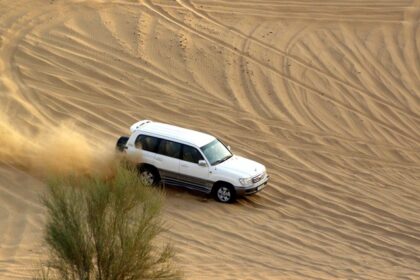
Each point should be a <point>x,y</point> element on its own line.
<point>245,181</point>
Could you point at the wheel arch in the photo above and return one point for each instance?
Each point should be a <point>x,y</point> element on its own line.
<point>220,182</point>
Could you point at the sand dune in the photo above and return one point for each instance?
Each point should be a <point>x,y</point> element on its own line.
<point>324,93</point>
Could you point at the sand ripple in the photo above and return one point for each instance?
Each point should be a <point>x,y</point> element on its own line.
<point>324,93</point>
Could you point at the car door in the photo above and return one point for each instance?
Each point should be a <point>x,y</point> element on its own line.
<point>167,160</point>
<point>191,173</point>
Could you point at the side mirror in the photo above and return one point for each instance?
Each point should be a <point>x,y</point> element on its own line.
<point>228,147</point>
<point>202,163</point>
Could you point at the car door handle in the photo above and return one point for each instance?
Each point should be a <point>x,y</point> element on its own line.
<point>184,165</point>
<point>159,159</point>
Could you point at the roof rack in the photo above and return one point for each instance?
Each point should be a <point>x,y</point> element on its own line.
<point>138,124</point>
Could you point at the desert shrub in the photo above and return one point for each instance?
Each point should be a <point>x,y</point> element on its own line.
<point>105,229</point>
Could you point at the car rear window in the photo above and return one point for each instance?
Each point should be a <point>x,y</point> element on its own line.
<point>147,143</point>
<point>169,148</point>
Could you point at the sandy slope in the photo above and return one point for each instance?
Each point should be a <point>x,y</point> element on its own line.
<point>324,93</point>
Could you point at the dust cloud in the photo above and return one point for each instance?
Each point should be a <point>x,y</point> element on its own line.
<point>56,150</point>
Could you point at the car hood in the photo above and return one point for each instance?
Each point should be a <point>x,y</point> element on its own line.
<point>241,166</point>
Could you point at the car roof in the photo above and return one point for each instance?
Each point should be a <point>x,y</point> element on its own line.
<point>176,133</point>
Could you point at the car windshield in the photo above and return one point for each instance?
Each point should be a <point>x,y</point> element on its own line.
<point>216,152</point>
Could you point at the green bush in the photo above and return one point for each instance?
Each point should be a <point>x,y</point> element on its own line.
<point>105,229</point>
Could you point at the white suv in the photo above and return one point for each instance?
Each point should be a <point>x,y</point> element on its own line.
<point>183,157</point>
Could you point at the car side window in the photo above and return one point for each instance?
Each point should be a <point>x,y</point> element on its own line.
<point>191,154</point>
<point>169,148</point>
<point>147,143</point>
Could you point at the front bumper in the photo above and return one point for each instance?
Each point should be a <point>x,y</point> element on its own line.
<point>240,191</point>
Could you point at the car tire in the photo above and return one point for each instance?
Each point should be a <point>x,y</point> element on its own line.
<point>120,146</point>
<point>149,175</point>
<point>224,193</point>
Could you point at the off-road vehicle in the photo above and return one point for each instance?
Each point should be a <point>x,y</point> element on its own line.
<point>182,157</point>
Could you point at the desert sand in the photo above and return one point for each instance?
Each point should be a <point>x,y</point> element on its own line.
<point>326,94</point>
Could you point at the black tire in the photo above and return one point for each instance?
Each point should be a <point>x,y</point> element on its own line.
<point>224,193</point>
<point>120,146</point>
<point>149,175</point>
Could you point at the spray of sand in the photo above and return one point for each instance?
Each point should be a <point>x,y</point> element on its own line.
<point>11,141</point>
<point>59,150</point>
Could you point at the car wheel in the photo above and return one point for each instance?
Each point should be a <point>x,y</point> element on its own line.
<point>120,146</point>
<point>225,193</point>
<point>148,176</point>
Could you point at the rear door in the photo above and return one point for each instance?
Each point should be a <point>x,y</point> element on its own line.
<point>190,173</point>
<point>145,147</point>
<point>167,160</point>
